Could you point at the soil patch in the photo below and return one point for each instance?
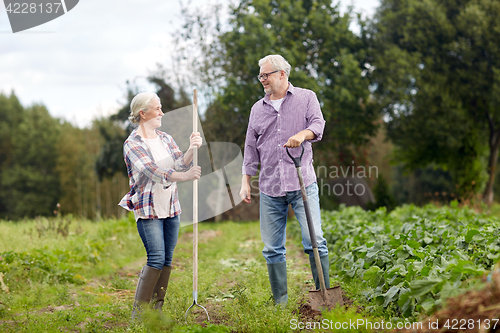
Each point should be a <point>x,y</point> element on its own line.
<point>307,313</point>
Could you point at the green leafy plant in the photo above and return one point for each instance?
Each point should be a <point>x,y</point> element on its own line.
<point>412,258</point>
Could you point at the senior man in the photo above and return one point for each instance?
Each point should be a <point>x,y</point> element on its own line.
<point>287,116</point>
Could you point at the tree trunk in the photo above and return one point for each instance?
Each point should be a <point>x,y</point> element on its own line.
<point>492,166</point>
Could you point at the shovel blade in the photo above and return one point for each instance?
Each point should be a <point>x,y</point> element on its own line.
<point>320,303</point>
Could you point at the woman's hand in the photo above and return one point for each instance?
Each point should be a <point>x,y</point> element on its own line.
<point>191,174</point>
<point>195,140</point>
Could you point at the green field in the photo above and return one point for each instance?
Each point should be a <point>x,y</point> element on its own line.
<point>409,261</point>
<point>70,275</point>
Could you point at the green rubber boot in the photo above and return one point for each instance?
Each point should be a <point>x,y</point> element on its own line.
<point>161,288</point>
<point>145,286</point>
<point>277,278</point>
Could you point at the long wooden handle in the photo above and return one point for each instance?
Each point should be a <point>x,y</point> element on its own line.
<point>195,201</point>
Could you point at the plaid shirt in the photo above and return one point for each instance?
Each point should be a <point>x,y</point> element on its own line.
<point>143,173</point>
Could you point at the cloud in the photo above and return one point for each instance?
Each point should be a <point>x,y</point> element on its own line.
<point>81,60</point>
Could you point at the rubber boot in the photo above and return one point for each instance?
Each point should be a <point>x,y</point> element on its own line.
<point>277,278</point>
<point>325,264</point>
<point>145,286</point>
<point>161,288</point>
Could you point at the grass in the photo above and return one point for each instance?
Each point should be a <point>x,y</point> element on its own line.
<point>83,280</point>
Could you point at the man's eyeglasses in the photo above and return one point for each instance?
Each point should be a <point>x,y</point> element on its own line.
<point>265,75</point>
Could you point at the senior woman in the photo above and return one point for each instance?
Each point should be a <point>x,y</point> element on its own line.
<point>154,165</point>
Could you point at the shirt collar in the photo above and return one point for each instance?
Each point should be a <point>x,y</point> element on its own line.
<point>138,137</point>
<point>291,90</point>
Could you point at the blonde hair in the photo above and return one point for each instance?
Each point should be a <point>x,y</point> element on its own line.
<point>277,62</point>
<point>140,102</point>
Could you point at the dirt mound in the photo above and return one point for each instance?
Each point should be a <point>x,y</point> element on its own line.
<point>474,311</point>
<point>307,313</point>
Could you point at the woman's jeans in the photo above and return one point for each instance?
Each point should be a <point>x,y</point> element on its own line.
<point>159,237</point>
<point>273,214</point>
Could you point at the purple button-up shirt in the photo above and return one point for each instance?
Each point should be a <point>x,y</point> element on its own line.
<point>269,130</point>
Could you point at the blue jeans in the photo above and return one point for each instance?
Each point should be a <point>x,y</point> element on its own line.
<point>159,237</point>
<point>273,214</point>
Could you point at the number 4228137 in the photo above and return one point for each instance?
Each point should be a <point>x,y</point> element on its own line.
<point>461,324</point>
<point>25,8</point>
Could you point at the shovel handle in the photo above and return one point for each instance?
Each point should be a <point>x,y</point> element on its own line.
<point>296,160</point>
<point>310,225</point>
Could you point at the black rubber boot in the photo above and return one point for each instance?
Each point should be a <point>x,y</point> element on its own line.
<point>145,286</point>
<point>325,264</point>
<point>161,288</point>
<point>277,278</point>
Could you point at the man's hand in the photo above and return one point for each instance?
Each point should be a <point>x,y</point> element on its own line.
<point>245,193</point>
<point>296,140</point>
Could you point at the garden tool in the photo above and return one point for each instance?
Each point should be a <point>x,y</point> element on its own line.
<point>195,215</point>
<point>323,298</point>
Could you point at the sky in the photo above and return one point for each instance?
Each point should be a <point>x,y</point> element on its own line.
<point>77,65</point>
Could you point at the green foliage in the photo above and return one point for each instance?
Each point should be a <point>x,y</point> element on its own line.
<point>233,283</point>
<point>436,82</point>
<point>44,161</point>
<point>75,166</point>
<point>11,114</point>
<point>68,262</point>
<point>50,227</point>
<point>423,185</point>
<point>30,176</point>
<point>39,266</point>
<point>412,258</point>
<point>383,196</point>
<point>352,321</point>
<point>110,159</point>
<point>209,328</point>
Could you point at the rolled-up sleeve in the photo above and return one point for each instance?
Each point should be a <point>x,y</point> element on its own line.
<point>314,117</point>
<point>179,164</point>
<point>251,154</point>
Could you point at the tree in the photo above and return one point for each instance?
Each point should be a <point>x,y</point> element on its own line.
<point>326,57</point>
<point>30,179</point>
<point>44,161</point>
<point>437,79</point>
<point>383,196</point>
<point>11,114</point>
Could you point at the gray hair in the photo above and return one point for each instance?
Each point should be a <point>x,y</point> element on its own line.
<point>140,103</point>
<point>277,62</point>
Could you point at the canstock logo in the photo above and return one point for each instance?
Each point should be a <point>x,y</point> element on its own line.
<point>26,14</point>
<point>221,162</point>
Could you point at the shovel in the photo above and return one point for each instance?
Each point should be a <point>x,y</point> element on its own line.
<point>323,298</point>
